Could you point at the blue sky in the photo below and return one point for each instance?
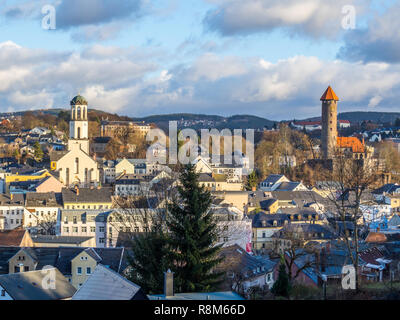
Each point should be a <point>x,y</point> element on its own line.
<point>140,57</point>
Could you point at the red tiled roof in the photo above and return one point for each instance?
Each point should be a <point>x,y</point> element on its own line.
<point>375,237</point>
<point>350,142</point>
<point>370,255</point>
<point>12,238</point>
<point>329,94</point>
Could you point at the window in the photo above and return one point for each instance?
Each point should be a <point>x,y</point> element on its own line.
<point>101,229</point>
<point>75,229</point>
<point>92,229</point>
<point>101,240</point>
<point>84,229</point>
<point>88,270</point>
<point>76,165</point>
<point>66,229</point>
<point>3,293</point>
<point>26,268</point>
<point>79,270</point>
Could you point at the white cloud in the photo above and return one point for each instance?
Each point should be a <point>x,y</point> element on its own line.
<point>115,80</point>
<point>315,18</point>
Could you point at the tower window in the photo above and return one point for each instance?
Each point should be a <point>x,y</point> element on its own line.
<point>76,165</point>
<point>79,133</point>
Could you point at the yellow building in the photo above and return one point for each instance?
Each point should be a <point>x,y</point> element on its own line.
<point>87,198</point>
<point>82,266</point>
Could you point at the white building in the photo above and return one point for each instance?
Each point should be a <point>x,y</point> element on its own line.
<point>76,167</point>
<point>85,223</point>
<point>12,211</point>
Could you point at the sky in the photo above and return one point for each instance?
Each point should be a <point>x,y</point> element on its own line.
<point>268,58</point>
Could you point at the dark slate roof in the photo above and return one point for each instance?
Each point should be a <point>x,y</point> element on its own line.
<point>272,179</point>
<point>388,188</point>
<point>87,195</point>
<point>265,220</point>
<point>6,253</point>
<point>127,181</point>
<point>47,199</point>
<point>114,258</point>
<point>204,177</point>
<point>28,286</point>
<point>59,239</point>
<point>305,229</point>
<point>101,139</point>
<point>57,155</point>
<point>238,261</point>
<point>91,252</point>
<point>17,199</point>
<point>265,204</point>
<point>287,186</point>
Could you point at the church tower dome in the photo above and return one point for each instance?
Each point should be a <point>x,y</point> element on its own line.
<point>78,126</point>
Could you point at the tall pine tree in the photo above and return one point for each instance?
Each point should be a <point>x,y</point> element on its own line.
<point>148,260</point>
<point>282,286</point>
<point>192,236</point>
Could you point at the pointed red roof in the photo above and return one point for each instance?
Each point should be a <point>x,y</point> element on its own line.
<point>329,94</point>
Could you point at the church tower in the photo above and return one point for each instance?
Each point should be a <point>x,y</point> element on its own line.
<point>78,126</point>
<point>329,123</point>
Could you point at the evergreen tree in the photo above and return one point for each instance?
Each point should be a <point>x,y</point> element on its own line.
<point>38,151</point>
<point>17,155</point>
<point>281,286</point>
<point>148,261</point>
<point>192,235</point>
<point>252,180</point>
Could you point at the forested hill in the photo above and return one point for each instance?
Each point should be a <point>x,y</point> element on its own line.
<point>359,116</point>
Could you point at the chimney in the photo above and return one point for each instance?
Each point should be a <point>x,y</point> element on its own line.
<point>11,196</point>
<point>323,260</point>
<point>328,247</point>
<point>253,188</point>
<point>168,283</point>
<point>77,190</point>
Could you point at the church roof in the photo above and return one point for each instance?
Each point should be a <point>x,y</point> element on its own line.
<point>79,100</point>
<point>329,94</point>
<point>351,142</point>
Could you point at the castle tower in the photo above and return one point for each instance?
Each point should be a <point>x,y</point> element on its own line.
<point>329,123</point>
<point>78,126</point>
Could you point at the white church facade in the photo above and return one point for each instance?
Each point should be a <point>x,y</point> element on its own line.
<point>76,167</point>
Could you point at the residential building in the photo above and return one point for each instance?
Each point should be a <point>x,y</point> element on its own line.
<point>244,271</point>
<point>87,198</point>
<point>106,284</point>
<point>12,211</point>
<point>29,286</point>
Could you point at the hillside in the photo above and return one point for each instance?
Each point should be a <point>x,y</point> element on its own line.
<point>359,116</point>
<point>198,121</point>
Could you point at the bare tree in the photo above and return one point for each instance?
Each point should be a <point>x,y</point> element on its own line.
<point>352,178</point>
<point>292,243</point>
